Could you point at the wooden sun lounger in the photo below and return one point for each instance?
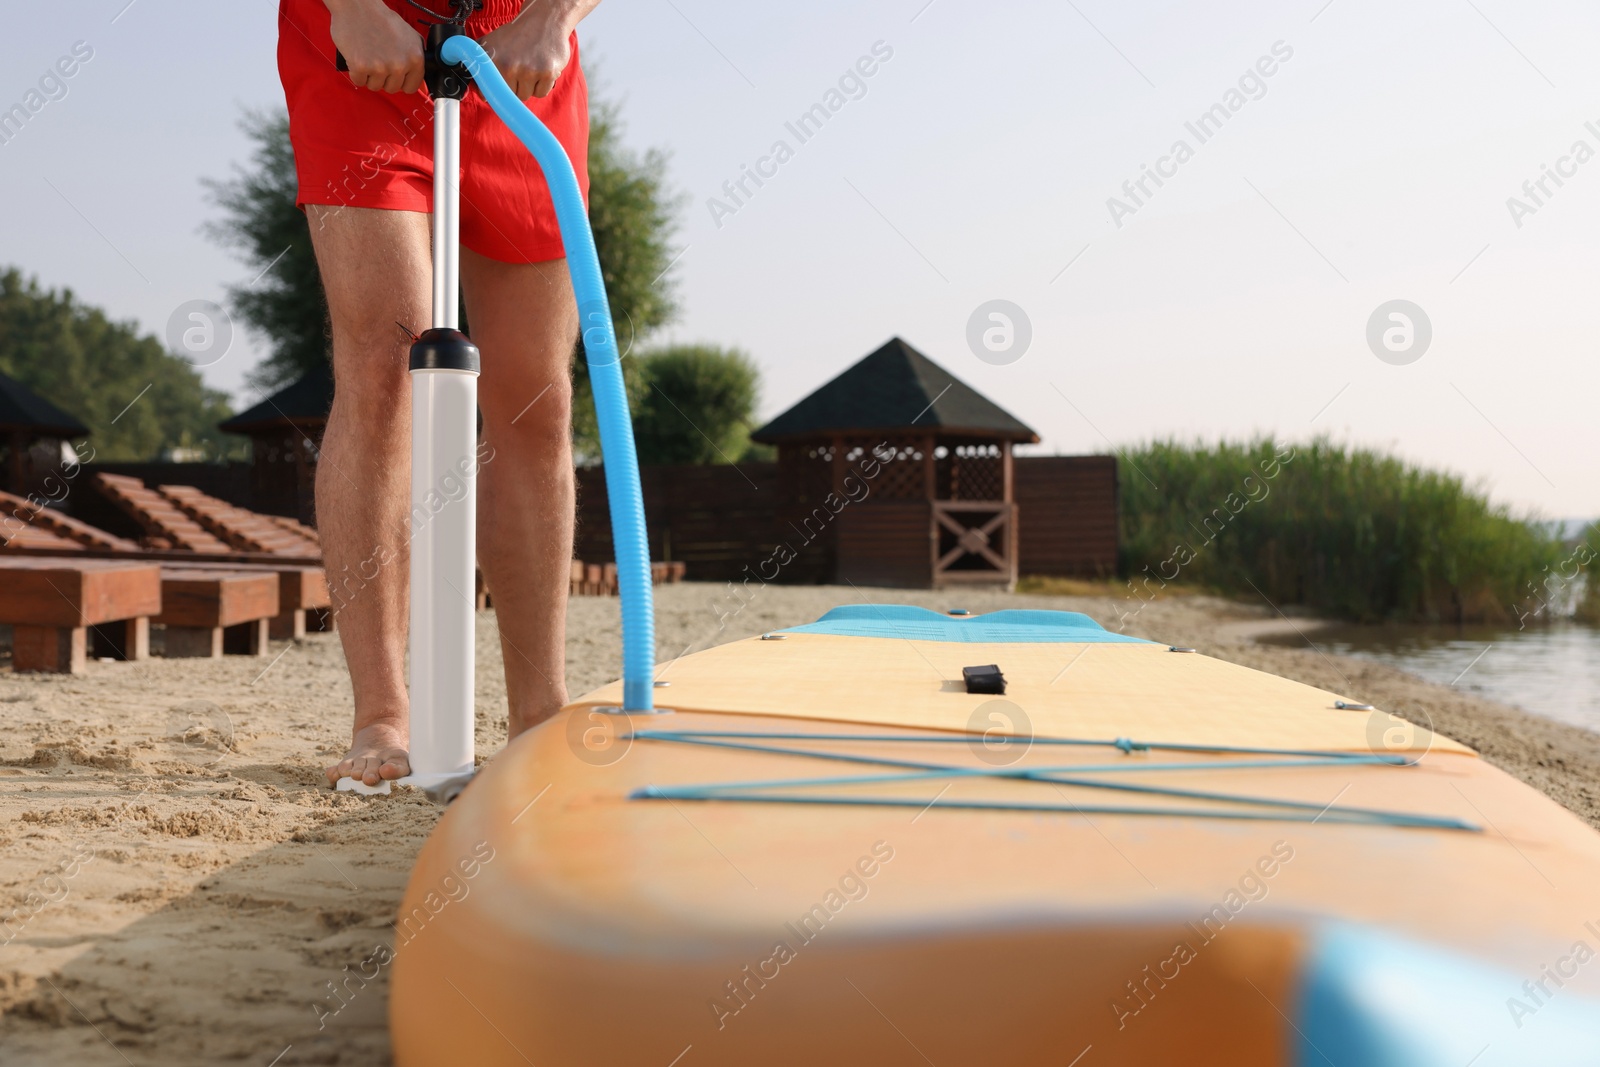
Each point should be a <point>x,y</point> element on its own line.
<point>17,536</point>
<point>176,557</point>
<point>295,526</point>
<point>15,509</point>
<point>165,525</point>
<point>664,573</point>
<point>303,599</point>
<point>32,530</point>
<point>53,603</point>
<point>600,579</point>
<point>302,595</point>
<point>239,528</point>
<point>208,612</point>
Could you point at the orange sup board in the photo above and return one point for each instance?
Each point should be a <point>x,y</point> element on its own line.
<point>830,851</point>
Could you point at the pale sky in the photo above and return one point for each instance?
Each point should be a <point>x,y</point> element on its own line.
<point>976,163</point>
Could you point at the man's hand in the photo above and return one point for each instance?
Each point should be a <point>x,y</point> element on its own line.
<point>533,49</point>
<point>383,52</point>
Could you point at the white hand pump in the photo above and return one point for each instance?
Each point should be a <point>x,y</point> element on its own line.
<point>442,523</point>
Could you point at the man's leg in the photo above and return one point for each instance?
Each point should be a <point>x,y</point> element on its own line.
<point>376,272</point>
<point>525,322</point>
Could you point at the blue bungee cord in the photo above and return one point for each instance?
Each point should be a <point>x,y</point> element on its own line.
<point>1086,776</point>
<point>629,538</point>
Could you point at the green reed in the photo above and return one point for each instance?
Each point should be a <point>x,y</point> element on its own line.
<point>1349,532</point>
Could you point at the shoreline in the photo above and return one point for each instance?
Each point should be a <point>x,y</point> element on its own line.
<point>1559,759</point>
<point>189,886</point>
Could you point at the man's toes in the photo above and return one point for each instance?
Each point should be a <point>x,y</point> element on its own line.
<point>370,769</point>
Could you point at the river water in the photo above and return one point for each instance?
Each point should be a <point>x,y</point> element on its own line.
<point>1551,670</point>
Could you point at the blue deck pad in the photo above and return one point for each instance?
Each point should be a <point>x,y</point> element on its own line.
<point>1013,626</point>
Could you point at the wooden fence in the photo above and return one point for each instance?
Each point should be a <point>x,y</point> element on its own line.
<point>728,523</point>
<point>1068,515</point>
<point>718,520</point>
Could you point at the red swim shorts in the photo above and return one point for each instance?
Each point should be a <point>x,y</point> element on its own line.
<point>359,148</point>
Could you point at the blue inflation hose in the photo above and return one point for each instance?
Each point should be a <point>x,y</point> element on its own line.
<point>628,535</point>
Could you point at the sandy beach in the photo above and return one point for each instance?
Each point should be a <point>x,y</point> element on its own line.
<point>183,888</point>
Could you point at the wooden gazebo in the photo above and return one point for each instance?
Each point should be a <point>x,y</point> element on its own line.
<point>36,435</point>
<point>285,432</point>
<point>901,475</point>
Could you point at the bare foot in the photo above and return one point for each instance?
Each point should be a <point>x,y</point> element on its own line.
<point>377,753</point>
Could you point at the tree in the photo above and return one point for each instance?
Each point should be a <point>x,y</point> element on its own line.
<point>260,220</point>
<point>633,217</point>
<point>629,209</point>
<point>137,399</point>
<point>697,405</point>
<point>1585,557</point>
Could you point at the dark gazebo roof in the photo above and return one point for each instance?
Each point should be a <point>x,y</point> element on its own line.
<point>305,400</point>
<point>895,388</point>
<point>23,409</point>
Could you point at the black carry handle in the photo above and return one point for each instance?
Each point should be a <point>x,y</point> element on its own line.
<point>338,62</point>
